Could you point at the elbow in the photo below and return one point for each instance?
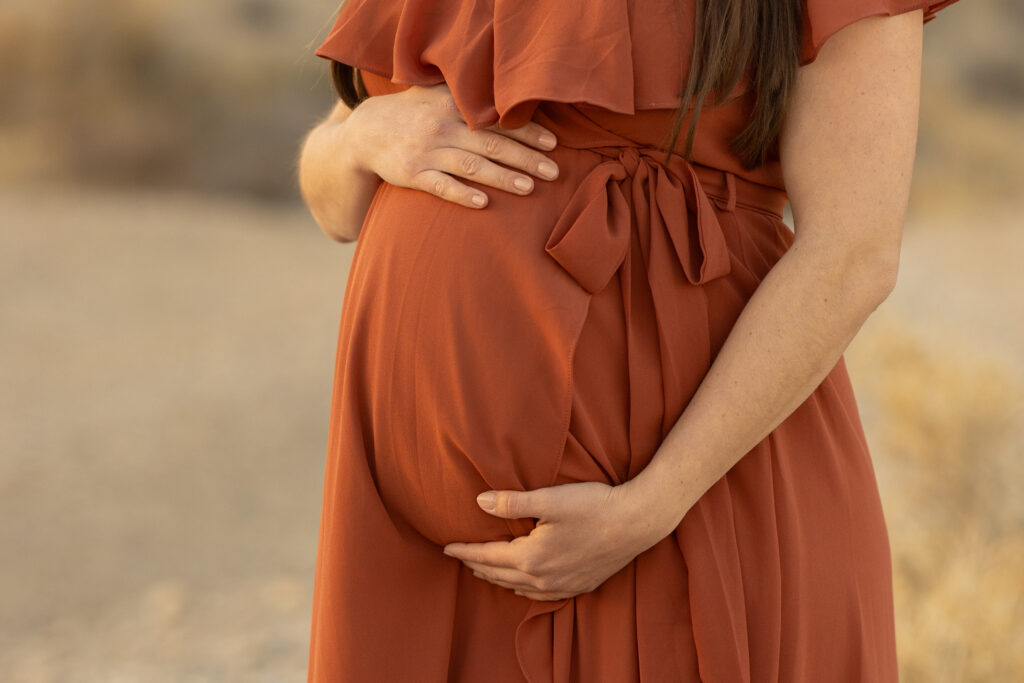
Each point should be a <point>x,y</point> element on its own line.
<point>326,213</point>
<point>327,227</point>
<point>863,270</point>
<point>338,237</point>
<point>332,217</point>
<point>872,273</point>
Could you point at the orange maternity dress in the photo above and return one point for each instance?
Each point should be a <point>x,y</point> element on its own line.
<point>557,337</point>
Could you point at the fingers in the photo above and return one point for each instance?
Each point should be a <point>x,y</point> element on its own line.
<point>500,147</point>
<point>522,584</point>
<point>469,164</point>
<point>504,576</point>
<point>464,163</point>
<point>523,591</point>
<point>532,134</point>
<point>492,553</point>
<point>526,590</point>
<point>515,504</point>
<point>540,597</point>
<point>505,159</point>
<point>446,187</point>
<point>447,163</point>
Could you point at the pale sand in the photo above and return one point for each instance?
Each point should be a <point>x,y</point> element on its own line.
<point>167,372</point>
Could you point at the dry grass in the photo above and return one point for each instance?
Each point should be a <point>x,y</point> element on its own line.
<point>167,356</point>
<point>213,96</point>
<point>162,527</point>
<point>946,433</point>
<point>216,96</point>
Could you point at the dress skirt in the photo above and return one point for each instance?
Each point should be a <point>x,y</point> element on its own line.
<point>556,338</point>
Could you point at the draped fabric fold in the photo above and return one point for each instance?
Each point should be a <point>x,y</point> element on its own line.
<point>486,332</point>
<point>501,59</point>
<point>655,222</point>
<point>460,368</point>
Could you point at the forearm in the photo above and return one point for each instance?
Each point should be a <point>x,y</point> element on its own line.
<point>788,337</point>
<point>334,185</point>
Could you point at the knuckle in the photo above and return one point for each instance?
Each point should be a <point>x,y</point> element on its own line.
<point>512,505</point>
<point>447,103</point>
<point>493,143</point>
<point>539,499</point>
<point>434,126</point>
<point>440,187</point>
<point>411,166</point>
<point>470,163</point>
<point>529,564</point>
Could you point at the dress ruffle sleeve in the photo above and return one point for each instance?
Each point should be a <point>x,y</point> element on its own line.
<point>823,18</point>
<point>501,59</point>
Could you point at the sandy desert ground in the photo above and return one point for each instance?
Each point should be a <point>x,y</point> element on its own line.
<point>167,355</point>
<point>167,368</point>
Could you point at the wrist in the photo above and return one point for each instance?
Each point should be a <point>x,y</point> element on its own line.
<point>653,508</point>
<point>333,181</point>
<point>350,144</point>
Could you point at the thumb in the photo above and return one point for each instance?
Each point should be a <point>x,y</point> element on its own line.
<point>511,504</point>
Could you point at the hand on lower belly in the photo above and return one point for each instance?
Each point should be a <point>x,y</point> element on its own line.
<point>585,533</point>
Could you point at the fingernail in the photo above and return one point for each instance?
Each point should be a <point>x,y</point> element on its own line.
<point>522,183</point>
<point>547,139</point>
<point>486,500</point>
<point>547,169</point>
<point>479,199</point>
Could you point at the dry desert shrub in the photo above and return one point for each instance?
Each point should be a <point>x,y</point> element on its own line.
<point>945,428</point>
<point>214,96</point>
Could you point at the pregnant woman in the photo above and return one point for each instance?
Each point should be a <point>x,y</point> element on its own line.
<point>635,357</point>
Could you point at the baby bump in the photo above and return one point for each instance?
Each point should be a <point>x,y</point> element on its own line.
<point>462,330</point>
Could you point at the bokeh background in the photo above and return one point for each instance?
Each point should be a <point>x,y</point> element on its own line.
<point>169,310</point>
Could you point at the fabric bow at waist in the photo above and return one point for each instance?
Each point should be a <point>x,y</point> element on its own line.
<point>656,224</point>
<point>592,235</point>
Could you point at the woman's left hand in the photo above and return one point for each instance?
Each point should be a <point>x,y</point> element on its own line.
<point>585,533</point>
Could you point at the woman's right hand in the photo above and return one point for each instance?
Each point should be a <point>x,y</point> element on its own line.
<point>417,138</point>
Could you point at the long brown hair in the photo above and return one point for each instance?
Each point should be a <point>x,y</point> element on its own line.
<point>731,37</point>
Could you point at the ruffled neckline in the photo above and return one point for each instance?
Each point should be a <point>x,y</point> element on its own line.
<point>501,58</point>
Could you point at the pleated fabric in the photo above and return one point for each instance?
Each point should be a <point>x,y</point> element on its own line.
<point>501,58</point>
<point>557,338</point>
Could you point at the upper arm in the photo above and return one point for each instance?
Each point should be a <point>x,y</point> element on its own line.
<point>339,112</point>
<point>848,140</point>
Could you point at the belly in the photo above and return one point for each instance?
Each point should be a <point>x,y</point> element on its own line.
<point>458,331</point>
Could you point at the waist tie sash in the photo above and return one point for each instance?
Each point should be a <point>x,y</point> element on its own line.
<point>678,245</point>
<point>592,240</point>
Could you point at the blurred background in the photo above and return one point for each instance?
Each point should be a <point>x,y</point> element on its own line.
<point>168,319</point>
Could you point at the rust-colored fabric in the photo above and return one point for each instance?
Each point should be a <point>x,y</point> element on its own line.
<point>557,337</point>
<point>502,58</point>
